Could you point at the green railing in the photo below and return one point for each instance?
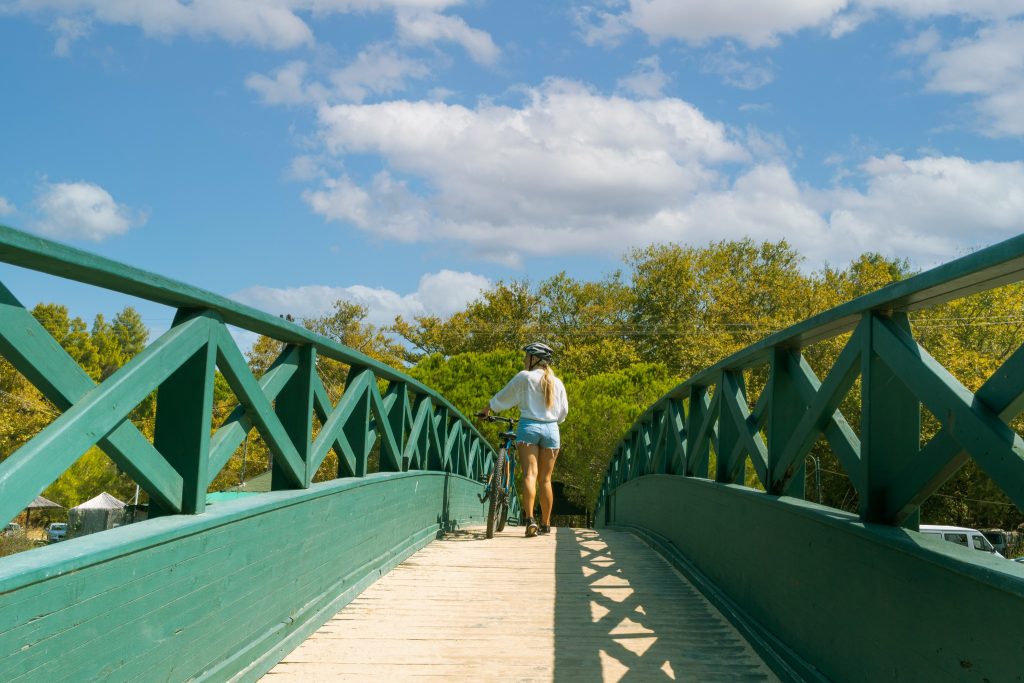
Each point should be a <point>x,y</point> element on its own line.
<point>416,428</point>
<point>890,470</point>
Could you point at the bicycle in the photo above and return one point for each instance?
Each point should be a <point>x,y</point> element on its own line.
<point>500,480</point>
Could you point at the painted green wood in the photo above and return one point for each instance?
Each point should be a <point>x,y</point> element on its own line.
<point>36,464</point>
<point>890,470</point>
<point>395,409</point>
<point>356,430</point>
<point>977,428</point>
<point>294,408</point>
<point>942,457</point>
<point>728,391</point>
<point>890,424</point>
<point>183,419</point>
<point>235,428</point>
<point>838,432</point>
<point>38,356</point>
<point>787,407</point>
<point>838,599</point>
<point>822,410</point>
<point>287,460</point>
<point>30,251</point>
<point>184,595</point>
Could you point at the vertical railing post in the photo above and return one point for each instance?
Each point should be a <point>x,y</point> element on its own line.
<point>890,427</point>
<point>785,409</point>
<point>397,401</point>
<point>697,453</point>
<point>357,427</point>
<point>728,430</point>
<point>184,414</point>
<point>294,408</point>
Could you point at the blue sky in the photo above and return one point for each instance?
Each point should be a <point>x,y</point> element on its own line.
<point>404,153</point>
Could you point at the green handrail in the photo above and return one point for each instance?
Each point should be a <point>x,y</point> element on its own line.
<point>890,470</point>
<point>416,427</point>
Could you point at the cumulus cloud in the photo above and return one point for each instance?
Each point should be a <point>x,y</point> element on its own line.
<point>930,207</point>
<point>567,159</point>
<point>989,67</point>
<point>571,171</point>
<point>377,70</point>
<point>647,80</point>
<point>759,24</point>
<point>441,294</point>
<point>82,211</point>
<point>425,28</point>
<point>274,24</point>
<point>6,207</point>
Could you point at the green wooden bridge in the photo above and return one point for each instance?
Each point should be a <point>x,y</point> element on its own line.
<point>688,575</point>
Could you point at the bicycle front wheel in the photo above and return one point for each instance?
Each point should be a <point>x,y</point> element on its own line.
<point>497,486</point>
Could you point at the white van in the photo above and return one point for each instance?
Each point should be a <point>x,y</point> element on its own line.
<point>968,538</point>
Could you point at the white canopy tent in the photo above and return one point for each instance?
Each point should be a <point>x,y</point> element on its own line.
<point>96,514</point>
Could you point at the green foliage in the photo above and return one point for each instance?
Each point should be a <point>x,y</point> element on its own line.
<point>601,408</point>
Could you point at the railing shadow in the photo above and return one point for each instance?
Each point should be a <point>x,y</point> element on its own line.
<point>622,614</point>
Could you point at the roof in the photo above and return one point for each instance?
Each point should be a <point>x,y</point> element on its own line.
<point>40,503</point>
<point>104,501</point>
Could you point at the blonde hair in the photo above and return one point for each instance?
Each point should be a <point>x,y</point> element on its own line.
<point>547,380</point>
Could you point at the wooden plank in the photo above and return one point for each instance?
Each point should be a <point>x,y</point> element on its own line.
<point>575,605</point>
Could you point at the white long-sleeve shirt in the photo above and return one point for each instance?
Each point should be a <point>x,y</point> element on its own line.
<point>525,390</point>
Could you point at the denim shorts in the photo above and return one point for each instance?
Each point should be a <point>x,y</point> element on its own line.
<point>543,434</point>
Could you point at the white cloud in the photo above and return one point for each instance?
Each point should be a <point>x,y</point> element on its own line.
<point>929,208</point>
<point>500,177</point>
<point>923,43</point>
<point>989,67</point>
<point>647,80</point>
<point>441,294</point>
<point>922,9</point>
<point>274,24</point>
<point>82,211</point>
<point>754,22</point>
<point>377,70</point>
<point>735,71</point>
<point>762,24</point>
<point>572,172</point>
<point>6,207</point>
<point>68,30</point>
<point>286,86</point>
<point>425,28</point>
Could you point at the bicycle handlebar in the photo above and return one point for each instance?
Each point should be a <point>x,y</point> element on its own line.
<point>495,418</point>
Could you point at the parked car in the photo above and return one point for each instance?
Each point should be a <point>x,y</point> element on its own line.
<point>56,531</point>
<point>999,539</point>
<point>968,538</point>
<point>12,529</point>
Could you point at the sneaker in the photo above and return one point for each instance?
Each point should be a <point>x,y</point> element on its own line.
<point>544,529</point>
<point>531,527</point>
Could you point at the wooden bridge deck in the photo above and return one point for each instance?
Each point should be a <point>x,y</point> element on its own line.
<point>578,605</point>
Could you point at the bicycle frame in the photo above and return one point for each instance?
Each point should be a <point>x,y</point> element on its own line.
<point>499,489</point>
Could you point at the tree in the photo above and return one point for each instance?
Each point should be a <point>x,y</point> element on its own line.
<point>602,408</point>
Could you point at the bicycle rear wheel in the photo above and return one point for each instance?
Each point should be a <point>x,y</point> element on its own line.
<point>503,516</point>
<point>497,486</point>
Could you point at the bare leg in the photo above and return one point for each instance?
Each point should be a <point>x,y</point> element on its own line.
<point>545,465</point>
<point>528,459</point>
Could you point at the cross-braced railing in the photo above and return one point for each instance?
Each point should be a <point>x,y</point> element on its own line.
<point>416,428</point>
<point>889,468</point>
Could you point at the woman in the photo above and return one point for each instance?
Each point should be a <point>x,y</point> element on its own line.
<point>542,404</point>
